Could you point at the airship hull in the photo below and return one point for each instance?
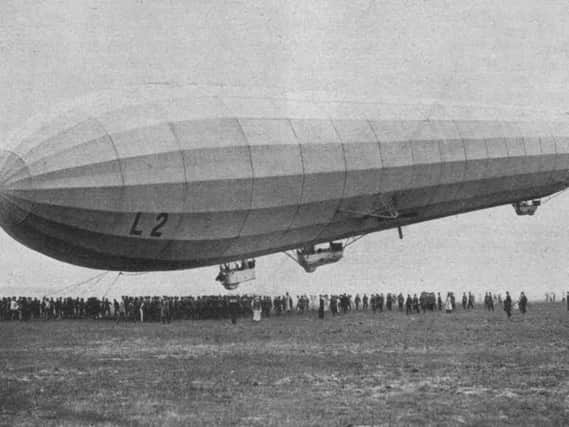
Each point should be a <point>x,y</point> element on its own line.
<point>167,185</point>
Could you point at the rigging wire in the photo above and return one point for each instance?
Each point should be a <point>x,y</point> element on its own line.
<point>97,277</point>
<point>119,274</point>
<point>353,240</point>
<point>291,257</point>
<point>553,196</point>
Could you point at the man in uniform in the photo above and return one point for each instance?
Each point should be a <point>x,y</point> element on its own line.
<point>334,305</point>
<point>523,303</point>
<point>321,308</point>
<point>380,301</point>
<point>164,310</point>
<point>508,305</point>
<point>470,301</point>
<point>416,306</point>
<point>233,308</point>
<point>121,312</point>
<point>400,301</point>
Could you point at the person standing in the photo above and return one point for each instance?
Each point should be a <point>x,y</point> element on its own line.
<point>334,305</point>
<point>257,309</point>
<point>400,301</point>
<point>164,310</point>
<point>409,304</point>
<point>121,313</point>
<point>416,306</point>
<point>321,308</point>
<point>523,303</point>
<point>508,305</point>
<point>288,303</point>
<point>14,309</point>
<point>448,304</point>
<point>234,308</point>
<point>380,301</point>
<point>470,301</point>
<point>141,310</point>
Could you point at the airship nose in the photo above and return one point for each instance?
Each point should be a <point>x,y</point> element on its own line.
<point>12,170</point>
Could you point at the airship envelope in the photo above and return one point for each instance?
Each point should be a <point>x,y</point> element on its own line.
<point>180,179</point>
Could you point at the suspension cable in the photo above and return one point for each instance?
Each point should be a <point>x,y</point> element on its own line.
<point>120,273</point>
<point>353,240</point>
<point>553,196</point>
<point>291,257</point>
<point>97,277</point>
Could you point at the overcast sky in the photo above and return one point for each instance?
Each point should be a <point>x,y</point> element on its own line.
<point>492,52</point>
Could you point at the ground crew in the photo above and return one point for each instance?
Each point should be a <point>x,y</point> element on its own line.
<point>409,304</point>
<point>233,303</point>
<point>121,311</point>
<point>470,300</point>
<point>508,305</point>
<point>388,302</point>
<point>164,310</point>
<point>321,308</point>
<point>416,306</point>
<point>334,305</point>
<point>523,303</point>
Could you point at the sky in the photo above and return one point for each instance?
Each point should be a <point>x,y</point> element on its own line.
<point>489,52</point>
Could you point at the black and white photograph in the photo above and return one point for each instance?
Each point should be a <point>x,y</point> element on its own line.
<point>284,213</point>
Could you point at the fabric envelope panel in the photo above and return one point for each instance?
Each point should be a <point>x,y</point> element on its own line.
<point>560,130</point>
<point>218,169</point>
<point>103,174</point>
<point>426,163</point>
<point>42,129</point>
<point>154,175</point>
<point>71,147</point>
<point>396,155</point>
<point>453,167</point>
<point>362,155</point>
<point>278,175</point>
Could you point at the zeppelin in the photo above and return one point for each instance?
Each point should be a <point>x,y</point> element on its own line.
<point>174,179</point>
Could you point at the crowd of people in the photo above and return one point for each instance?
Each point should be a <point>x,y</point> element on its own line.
<point>165,309</point>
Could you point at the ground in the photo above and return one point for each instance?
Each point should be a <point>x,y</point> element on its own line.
<point>470,368</point>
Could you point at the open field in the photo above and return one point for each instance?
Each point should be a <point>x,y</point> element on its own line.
<point>463,368</point>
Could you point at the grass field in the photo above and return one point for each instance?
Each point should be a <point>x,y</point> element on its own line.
<point>473,368</point>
